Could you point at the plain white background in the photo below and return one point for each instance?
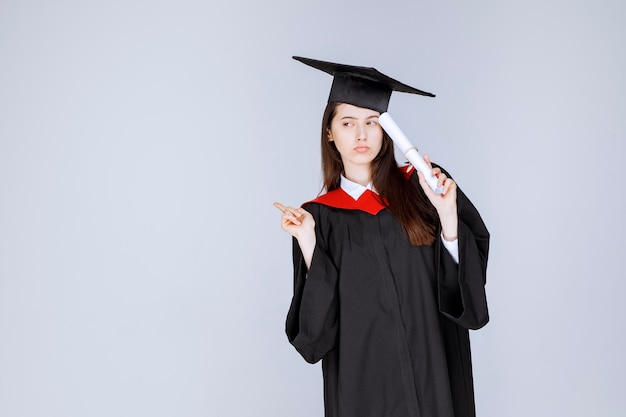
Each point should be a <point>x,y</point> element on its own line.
<point>142,143</point>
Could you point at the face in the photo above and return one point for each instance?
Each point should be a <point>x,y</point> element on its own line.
<point>357,135</point>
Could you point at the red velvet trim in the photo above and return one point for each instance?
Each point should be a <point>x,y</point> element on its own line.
<point>406,174</point>
<point>369,201</point>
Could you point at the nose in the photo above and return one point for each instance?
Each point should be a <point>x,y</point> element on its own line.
<point>361,132</point>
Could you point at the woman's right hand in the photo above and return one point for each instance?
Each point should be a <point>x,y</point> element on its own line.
<point>296,221</point>
<point>300,224</point>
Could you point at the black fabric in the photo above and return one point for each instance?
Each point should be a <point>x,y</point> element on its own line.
<point>359,92</point>
<point>389,319</point>
<point>360,86</point>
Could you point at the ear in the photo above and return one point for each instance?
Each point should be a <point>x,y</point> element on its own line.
<point>329,135</point>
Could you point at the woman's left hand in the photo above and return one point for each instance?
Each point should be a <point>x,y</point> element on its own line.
<point>444,203</point>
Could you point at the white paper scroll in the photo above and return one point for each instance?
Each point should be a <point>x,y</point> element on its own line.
<point>410,152</point>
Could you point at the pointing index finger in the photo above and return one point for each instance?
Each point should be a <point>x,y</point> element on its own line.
<point>280,207</point>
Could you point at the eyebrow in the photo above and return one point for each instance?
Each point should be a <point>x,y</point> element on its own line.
<point>353,117</point>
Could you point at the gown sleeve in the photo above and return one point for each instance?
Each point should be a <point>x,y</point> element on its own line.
<point>462,296</point>
<point>312,320</point>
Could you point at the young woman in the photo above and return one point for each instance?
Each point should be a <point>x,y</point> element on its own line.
<point>388,275</point>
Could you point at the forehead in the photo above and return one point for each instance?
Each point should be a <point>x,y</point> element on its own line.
<point>349,110</point>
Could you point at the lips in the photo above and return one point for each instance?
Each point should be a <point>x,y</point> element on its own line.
<point>362,149</point>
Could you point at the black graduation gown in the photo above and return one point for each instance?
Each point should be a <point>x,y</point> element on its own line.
<point>388,319</point>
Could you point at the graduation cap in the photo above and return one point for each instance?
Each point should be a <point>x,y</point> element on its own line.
<point>360,86</point>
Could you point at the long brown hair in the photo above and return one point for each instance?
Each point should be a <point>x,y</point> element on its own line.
<point>406,201</point>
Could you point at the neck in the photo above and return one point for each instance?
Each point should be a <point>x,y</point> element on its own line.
<point>358,174</point>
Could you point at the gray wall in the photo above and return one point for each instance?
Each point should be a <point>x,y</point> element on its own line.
<point>142,143</point>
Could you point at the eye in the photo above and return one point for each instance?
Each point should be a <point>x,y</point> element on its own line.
<point>372,123</point>
<point>348,124</point>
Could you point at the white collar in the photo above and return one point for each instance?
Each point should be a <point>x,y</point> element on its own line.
<point>354,189</point>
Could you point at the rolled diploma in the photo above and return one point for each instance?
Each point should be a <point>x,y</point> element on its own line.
<point>409,151</point>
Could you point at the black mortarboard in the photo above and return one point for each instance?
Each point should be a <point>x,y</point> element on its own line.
<point>360,86</point>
